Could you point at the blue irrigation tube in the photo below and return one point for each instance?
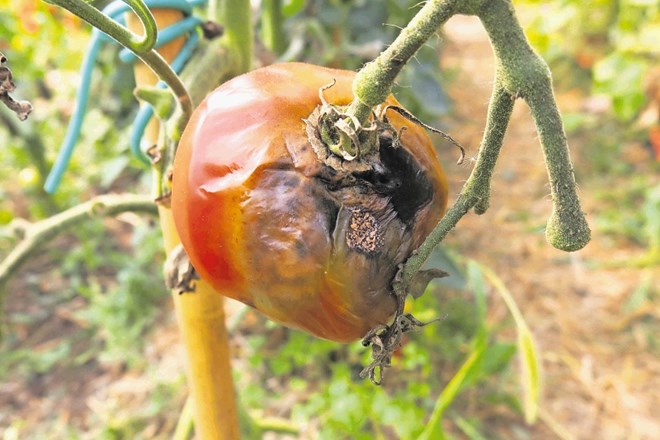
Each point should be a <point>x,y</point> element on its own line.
<point>115,11</point>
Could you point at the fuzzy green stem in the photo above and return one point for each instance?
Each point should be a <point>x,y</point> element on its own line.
<point>141,46</point>
<point>520,72</point>
<point>169,77</point>
<point>125,37</point>
<point>272,31</point>
<point>497,121</point>
<point>567,227</point>
<point>160,100</point>
<point>374,81</point>
<point>525,74</point>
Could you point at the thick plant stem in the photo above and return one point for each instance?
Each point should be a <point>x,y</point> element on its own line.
<point>272,30</point>
<point>201,320</point>
<point>526,75</point>
<point>236,17</point>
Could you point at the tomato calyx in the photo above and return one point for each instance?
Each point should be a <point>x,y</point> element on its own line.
<point>327,130</point>
<point>343,134</point>
<point>342,137</point>
<point>336,134</point>
<point>388,175</point>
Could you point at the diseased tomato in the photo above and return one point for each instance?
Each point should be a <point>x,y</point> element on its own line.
<point>264,221</point>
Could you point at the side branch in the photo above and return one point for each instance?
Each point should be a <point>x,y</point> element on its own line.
<point>38,234</point>
<point>520,72</point>
<point>142,47</point>
<point>497,121</point>
<point>567,228</point>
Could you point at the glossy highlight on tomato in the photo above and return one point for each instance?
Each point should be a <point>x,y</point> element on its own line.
<point>265,222</point>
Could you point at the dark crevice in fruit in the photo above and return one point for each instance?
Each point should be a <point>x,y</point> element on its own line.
<point>400,177</point>
<point>390,172</point>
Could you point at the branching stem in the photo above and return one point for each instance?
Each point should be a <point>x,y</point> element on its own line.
<point>520,73</point>
<point>36,235</point>
<point>524,74</point>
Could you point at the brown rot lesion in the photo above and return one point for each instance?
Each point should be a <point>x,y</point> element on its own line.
<point>365,232</point>
<point>179,273</point>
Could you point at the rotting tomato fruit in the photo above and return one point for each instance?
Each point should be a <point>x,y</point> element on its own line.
<point>265,221</point>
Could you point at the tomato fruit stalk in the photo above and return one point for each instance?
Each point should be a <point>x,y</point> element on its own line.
<point>267,218</point>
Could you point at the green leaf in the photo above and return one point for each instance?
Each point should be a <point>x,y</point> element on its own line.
<point>468,428</point>
<point>530,376</point>
<point>497,358</point>
<point>433,429</point>
<point>292,7</point>
<point>476,281</point>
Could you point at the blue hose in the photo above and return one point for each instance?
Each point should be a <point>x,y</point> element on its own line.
<point>115,11</point>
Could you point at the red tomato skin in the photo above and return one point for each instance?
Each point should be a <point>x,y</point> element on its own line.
<point>253,215</point>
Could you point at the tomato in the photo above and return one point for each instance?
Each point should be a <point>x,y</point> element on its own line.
<point>267,223</point>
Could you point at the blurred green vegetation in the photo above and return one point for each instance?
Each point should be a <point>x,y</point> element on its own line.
<point>344,34</point>
<point>605,46</point>
<point>111,278</point>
